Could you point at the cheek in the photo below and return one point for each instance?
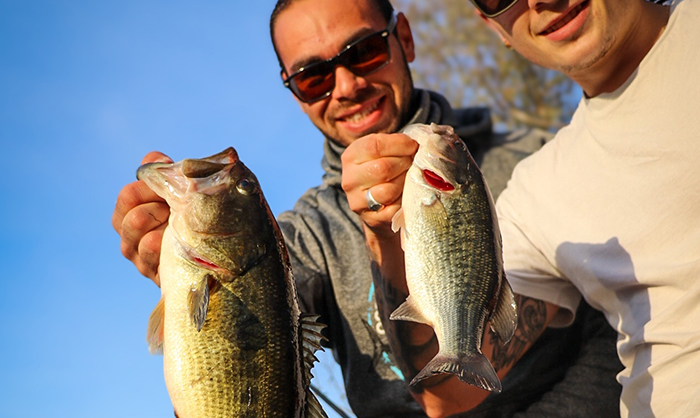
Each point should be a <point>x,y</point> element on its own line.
<point>315,111</point>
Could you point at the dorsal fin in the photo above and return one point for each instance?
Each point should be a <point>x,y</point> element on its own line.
<point>311,338</point>
<point>313,407</point>
<point>504,318</point>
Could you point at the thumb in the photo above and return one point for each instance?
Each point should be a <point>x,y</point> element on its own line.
<point>156,157</point>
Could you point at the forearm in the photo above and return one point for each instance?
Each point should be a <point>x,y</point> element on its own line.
<point>412,344</point>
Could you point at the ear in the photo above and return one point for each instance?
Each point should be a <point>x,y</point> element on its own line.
<point>403,32</point>
<point>493,27</point>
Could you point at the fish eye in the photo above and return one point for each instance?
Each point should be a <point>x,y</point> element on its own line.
<point>246,187</point>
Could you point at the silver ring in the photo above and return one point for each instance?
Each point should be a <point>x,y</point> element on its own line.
<point>372,204</point>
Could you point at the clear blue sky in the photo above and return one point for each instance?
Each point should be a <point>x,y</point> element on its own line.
<point>86,89</point>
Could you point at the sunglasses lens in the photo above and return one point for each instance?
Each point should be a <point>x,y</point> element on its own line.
<point>313,82</point>
<point>494,7</point>
<point>362,58</point>
<point>368,55</point>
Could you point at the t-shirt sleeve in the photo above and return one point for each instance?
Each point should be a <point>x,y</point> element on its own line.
<point>528,270</point>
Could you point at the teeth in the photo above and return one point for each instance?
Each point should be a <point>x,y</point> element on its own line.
<point>568,18</point>
<point>361,115</point>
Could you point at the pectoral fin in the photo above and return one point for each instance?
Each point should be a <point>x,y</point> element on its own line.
<point>154,332</point>
<point>398,222</point>
<point>198,302</point>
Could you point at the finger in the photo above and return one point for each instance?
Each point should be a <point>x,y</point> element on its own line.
<point>149,249</point>
<point>140,221</point>
<point>381,221</point>
<point>375,146</point>
<point>371,173</point>
<point>156,157</point>
<point>388,193</point>
<point>156,279</point>
<point>386,169</point>
<point>131,196</point>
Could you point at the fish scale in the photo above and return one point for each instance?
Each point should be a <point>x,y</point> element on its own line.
<point>453,257</point>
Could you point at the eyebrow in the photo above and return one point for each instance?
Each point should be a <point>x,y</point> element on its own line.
<point>306,61</point>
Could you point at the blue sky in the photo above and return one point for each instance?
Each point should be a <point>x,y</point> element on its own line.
<point>87,88</point>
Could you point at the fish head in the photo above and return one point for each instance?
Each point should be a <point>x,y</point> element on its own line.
<point>442,158</point>
<point>217,209</point>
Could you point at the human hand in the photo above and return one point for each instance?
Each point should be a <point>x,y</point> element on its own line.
<point>377,162</point>
<point>139,217</point>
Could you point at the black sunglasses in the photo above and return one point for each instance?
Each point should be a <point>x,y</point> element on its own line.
<point>362,57</point>
<point>493,8</point>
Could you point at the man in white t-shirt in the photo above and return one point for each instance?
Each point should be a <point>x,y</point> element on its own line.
<point>610,209</point>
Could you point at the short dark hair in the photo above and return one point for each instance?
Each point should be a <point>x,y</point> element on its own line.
<point>383,6</point>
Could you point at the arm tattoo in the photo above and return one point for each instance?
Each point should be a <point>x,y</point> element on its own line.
<point>532,314</point>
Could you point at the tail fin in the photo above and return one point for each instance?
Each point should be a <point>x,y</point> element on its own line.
<point>472,368</point>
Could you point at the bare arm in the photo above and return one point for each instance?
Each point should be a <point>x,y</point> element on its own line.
<point>139,217</point>
<point>379,162</point>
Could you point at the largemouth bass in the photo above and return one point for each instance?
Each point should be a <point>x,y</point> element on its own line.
<point>228,323</point>
<point>453,256</point>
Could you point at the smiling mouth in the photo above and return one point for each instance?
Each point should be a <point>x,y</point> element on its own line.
<point>356,117</point>
<point>566,19</point>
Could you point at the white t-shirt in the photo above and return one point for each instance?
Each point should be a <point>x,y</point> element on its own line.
<point>610,209</point>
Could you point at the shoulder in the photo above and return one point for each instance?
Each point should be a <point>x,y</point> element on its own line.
<point>506,151</point>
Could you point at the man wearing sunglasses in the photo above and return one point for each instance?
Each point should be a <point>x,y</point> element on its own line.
<point>607,210</point>
<point>346,62</point>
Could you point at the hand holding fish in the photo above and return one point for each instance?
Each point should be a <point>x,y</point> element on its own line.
<point>377,163</point>
<point>140,217</point>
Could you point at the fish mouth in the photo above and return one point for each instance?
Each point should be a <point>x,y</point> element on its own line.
<point>564,18</point>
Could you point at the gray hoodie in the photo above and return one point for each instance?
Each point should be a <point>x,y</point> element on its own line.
<point>331,265</point>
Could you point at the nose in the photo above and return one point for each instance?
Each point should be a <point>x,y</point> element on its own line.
<point>347,84</point>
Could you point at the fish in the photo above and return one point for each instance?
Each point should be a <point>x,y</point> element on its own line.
<point>228,323</point>
<point>453,257</point>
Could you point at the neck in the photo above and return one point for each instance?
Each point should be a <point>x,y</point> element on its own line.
<point>621,62</point>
